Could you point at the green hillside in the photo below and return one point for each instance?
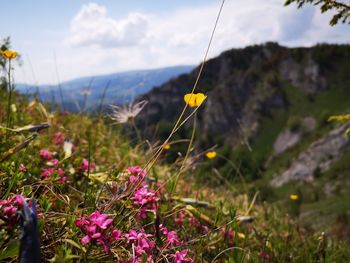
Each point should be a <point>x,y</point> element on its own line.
<point>266,105</point>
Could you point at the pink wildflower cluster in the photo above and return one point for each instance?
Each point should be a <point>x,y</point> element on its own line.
<point>84,167</point>
<point>51,166</point>
<point>136,174</point>
<point>98,229</point>
<point>58,138</point>
<point>171,236</point>
<point>146,199</point>
<point>9,210</point>
<point>142,244</point>
<point>143,197</point>
<point>172,240</point>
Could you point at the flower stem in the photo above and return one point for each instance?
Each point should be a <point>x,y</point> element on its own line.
<point>136,130</point>
<point>8,113</point>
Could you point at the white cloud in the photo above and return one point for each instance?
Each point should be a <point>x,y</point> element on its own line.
<point>150,40</point>
<point>93,26</point>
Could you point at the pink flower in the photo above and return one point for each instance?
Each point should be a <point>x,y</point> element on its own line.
<point>81,222</point>
<point>85,165</point>
<point>100,220</point>
<point>97,229</point>
<point>141,242</point>
<point>60,171</point>
<point>180,257</point>
<point>163,229</point>
<point>144,196</point>
<point>10,208</point>
<point>117,234</point>
<point>22,168</point>
<point>45,154</point>
<point>58,138</point>
<point>47,172</point>
<point>147,199</point>
<point>63,179</point>
<point>10,211</point>
<point>173,239</point>
<point>85,240</point>
<point>229,235</point>
<point>137,173</point>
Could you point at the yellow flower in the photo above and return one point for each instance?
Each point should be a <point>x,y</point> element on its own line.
<point>211,155</point>
<point>342,118</point>
<point>294,197</point>
<point>194,100</point>
<point>8,54</point>
<point>167,146</point>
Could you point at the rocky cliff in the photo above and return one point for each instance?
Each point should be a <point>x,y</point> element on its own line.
<point>256,95</point>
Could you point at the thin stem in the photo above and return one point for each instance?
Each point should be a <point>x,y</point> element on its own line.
<point>178,123</point>
<point>236,169</point>
<point>187,153</point>
<point>9,99</point>
<point>136,130</point>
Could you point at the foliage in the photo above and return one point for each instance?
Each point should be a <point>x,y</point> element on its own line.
<point>341,9</point>
<point>97,204</point>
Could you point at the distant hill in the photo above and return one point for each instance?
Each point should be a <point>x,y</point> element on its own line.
<point>267,111</point>
<point>122,88</point>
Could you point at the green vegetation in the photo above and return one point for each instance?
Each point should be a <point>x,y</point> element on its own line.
<point>104,194</point>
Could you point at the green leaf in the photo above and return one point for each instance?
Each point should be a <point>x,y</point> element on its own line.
<point>75,244</point>
<point>144,258</point>
<point>10,251</point>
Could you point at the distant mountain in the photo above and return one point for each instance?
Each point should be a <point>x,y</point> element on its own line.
<point>119,88</point>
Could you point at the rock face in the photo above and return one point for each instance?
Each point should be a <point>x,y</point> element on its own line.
<point>319,156</point>
<point>252,94</point>
<point>288,138</point>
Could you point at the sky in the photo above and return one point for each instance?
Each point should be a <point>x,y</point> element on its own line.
<point>63,40</point>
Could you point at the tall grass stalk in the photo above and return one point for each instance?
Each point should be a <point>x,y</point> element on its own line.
<point>88,170</point>
<point>177,176</point>
<point>178,123</point>
<point>103,98</point>
<point>85,97</point>
<point>10,89</point>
